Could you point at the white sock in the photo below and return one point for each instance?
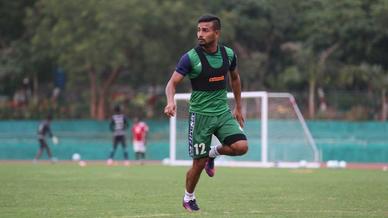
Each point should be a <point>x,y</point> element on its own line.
<point>188,196</point>
<point>213,153</point>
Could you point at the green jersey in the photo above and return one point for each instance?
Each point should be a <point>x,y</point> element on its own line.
<point>208,74</point>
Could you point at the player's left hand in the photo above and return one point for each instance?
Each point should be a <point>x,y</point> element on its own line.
<point>239,117</point>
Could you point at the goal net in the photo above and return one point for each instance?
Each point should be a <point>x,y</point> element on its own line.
<point>276,130</point>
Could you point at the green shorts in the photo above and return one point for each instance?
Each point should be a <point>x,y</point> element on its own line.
<point>201,128</point>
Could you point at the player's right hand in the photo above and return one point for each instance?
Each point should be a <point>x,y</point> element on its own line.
<point>169,110</point>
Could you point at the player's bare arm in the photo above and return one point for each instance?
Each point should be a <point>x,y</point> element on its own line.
<point>175,79</point>
<point>236,87</point>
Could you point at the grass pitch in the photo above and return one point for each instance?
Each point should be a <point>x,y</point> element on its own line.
<point>68,190</point>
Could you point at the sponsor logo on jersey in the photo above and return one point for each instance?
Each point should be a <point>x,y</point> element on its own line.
<point>216,79</point>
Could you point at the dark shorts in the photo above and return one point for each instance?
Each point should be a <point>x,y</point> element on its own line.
<point>201,128</point>
<point>43,143</point>
<point>119,139</point>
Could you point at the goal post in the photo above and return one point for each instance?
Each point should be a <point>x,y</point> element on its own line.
<point>276,130</point>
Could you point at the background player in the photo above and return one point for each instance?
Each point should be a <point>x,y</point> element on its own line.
<point>118,126</point>
<point>139,138</point>
<point>43,130</point>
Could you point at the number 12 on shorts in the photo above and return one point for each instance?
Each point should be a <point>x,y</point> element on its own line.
<point>199,149</point>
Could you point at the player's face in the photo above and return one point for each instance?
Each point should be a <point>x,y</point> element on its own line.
<point>206,34</point>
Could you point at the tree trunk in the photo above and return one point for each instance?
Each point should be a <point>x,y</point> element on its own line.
<point>311,103</point>
<point>384,103</point>
<point>325,55</point>
<point>268,50</point>
<point>318,75</point>
<point>35,88</point>
<point>93,92</point>
<point>103,92</point>
<point>101,106</point>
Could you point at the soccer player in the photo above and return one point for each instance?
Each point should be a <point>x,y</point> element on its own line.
<point>118,125</point>
<point>43,130</point>
<point>207,67</point>
<point>139,138</point>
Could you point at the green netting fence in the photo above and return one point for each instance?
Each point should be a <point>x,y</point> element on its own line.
<point>337,140</point>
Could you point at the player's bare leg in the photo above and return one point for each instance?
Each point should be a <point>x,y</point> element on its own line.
<point>236,149</point>
<point>192,178</point>
<point>194,173</point>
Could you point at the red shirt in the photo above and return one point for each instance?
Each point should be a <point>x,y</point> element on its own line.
<point>139,131</point>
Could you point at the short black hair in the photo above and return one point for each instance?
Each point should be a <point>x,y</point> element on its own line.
<point>211,18</point>
<point>117,109</point>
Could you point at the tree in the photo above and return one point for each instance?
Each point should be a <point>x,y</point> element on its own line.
<point>260,27</point>
<point>12,32</point>
<point>106,39</point>
<point>136,43</point>
<point>333,27</point>
<point>377,53</point>
<point>87,37</point>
